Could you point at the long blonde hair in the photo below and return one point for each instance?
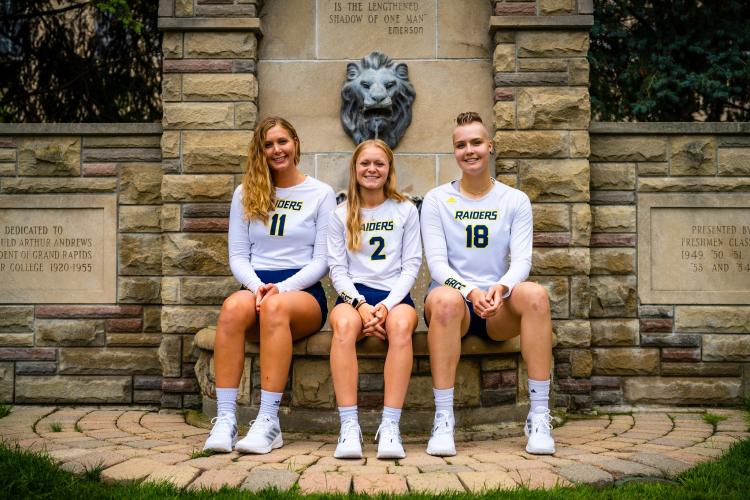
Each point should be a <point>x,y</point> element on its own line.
<point>354,197</point>
<point>258,193</point>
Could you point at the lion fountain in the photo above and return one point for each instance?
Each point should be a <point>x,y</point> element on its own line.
<point>376,99</point>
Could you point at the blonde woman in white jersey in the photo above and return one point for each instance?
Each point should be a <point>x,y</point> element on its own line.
<point>277,251</point>
<point>374,253</point>
<point>469,227</point>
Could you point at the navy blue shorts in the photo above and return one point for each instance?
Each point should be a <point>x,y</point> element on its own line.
<point>374,296</point>
<point>316,290</point>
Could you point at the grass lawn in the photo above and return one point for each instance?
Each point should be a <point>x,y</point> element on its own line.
<point>28,475</point>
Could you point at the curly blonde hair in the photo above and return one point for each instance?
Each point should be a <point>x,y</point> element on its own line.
<point>354,197</point>
<point>258,193</point>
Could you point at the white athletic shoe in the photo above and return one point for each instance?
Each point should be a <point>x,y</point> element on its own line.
<point>350,440</point>
<point>389,444</point>
<point>264,435</point>
<point>540,433</point>
<point>441,442</point>
<point>223,434</point>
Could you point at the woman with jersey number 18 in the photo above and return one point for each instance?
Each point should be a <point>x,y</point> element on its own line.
<point>374,253</point>
<point>469,227</point>
<point>277,251</point>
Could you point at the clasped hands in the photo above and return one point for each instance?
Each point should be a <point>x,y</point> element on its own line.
<point>486,304</point>
<point>263,291</point>
<point>373,320</point>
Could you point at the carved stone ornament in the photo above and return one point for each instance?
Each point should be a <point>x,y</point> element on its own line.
<point>376,99</point>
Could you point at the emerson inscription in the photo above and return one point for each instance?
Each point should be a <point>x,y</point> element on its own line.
<point>694,249</point>
<point>56,249</point>
<point>399,29</point>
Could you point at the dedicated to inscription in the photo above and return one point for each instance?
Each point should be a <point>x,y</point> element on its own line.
<point>58,254</point>
<point>394,18</point>
<point>36,249</point>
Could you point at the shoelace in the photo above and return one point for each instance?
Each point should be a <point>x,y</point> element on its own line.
<point>260,425</point>
<point>542,420</point>
<point>442,423</point>
<point>349,427</point>
<point>220,422</point>
<point>390,429</point>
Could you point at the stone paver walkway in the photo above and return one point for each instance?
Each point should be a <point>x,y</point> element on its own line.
<point>148,445</point>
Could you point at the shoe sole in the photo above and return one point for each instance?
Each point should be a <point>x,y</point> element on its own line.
<point>386,454</point>
<point>277,443</point>
<point>347,455</point>
<point>441,453</point>
<point>540,451</point>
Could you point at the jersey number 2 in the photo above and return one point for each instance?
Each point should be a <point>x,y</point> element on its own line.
<point>477,236</point>
<point>377,254</point>
<point>277,224</point>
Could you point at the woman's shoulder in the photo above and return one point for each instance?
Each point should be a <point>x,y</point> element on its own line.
<point>319,186</point>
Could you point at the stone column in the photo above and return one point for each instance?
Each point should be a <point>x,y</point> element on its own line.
<point>209,93</point>
<point>542,114</point>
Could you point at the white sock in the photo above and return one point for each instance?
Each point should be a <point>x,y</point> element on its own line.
<point>443,400</point>
<point>226,401</point>
<point>392,414</point>
<point>269,404</point>
<point>539,395</point>
<point>348,412</point>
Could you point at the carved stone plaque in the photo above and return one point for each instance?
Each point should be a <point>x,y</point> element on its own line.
<point>694,248</point>
<point>58,249</point>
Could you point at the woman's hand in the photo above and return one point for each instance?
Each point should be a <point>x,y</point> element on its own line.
<point>481,305</point>
<point>264,291</point>
<point>371,325</point>
<point>495,298</point>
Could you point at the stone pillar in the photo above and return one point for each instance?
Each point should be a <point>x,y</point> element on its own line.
<point>542,114</point>
<point>209,93</point>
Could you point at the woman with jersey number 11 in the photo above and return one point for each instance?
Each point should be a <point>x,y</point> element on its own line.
<point>469,228</point>
<point>374,252</point>
<point>277,251</point>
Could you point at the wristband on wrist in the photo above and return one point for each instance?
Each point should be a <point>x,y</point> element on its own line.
<point>357,303</point>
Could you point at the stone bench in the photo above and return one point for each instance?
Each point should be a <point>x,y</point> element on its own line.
<point>490,383</point>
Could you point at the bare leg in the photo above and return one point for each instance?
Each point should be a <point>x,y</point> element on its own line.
<point>448,316</point>
<point>236,318</point>
<point>347,330</point>
<point>284,318</point>
<point>527,312</point>
<point>399,326</point>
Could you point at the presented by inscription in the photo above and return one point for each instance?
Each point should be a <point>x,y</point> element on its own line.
<point>694,249</point>
<point>58,249</point>
<point>401,29</point>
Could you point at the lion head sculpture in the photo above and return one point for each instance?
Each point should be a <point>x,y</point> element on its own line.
<point>376,99</point>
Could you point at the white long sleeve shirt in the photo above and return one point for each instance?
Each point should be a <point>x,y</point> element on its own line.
<point>389,257</point>
<point>293,238</point>
<point>467,242</point>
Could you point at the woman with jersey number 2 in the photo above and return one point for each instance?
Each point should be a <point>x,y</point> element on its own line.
<point>374,253</point>
<point>277,251</point>
<point>469,227</point>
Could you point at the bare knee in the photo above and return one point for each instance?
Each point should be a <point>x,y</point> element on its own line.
<point>535,298</point>
<point>399,335</point>
<point>237,311</point>
<point>346,329</point>
<point>446,306</point>
<point>274,312</point>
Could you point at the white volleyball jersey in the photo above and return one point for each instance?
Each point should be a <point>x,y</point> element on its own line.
<point>467,241</point>
<point>293,238</point>
<point>389,257</point>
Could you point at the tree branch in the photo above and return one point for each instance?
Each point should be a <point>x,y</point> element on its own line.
<point>40,13</point>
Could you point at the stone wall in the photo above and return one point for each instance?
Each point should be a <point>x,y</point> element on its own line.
<point>228,62</point>
<point>542,113</point>
<point>662,353</point>
<point>80,353</point>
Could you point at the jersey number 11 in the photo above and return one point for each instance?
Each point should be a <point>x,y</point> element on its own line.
<point>277,224</point>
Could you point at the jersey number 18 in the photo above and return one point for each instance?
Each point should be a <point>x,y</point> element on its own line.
<point>477,236</point>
